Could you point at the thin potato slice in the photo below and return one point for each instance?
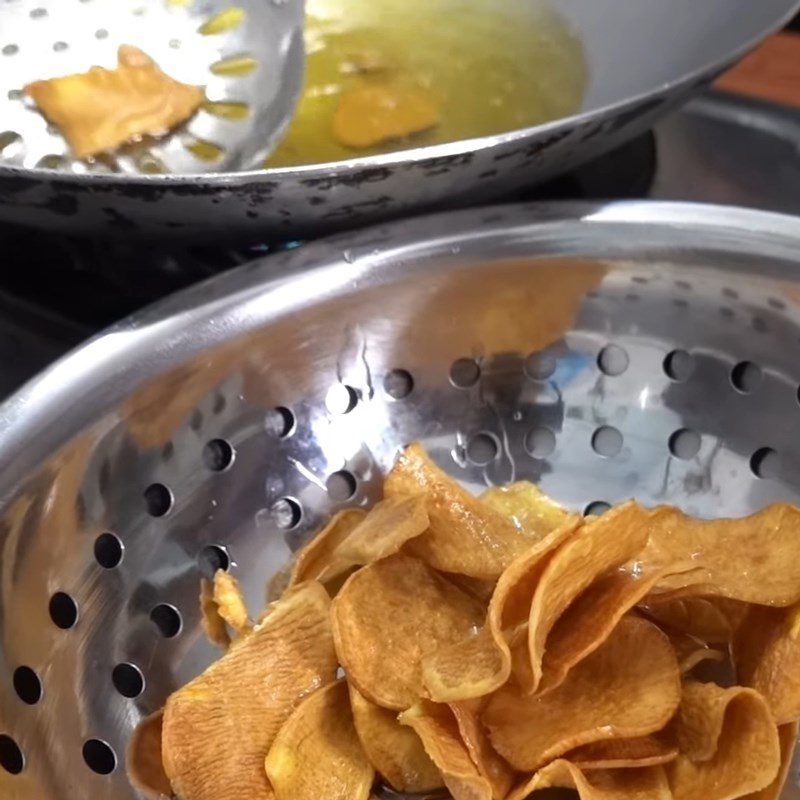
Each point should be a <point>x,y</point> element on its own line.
<point>787,734</point>
<point>144,763</point>
<point>465,536</point>
<point>647,783</point>
<point>387,527</point>
<point>480,665</point>
<point>767,657</point>
<point>489,763</point>
<point>435,724</point>
<point>527,507</point>
<point>642,751</point>
<point>317,753</point>
<point>630,686</point>
<point>218,728</point>
<point>229,600</point>
<point>728,741</point>
<point>602,544</point>
<point>714,620</point>
<point>755,559</point>
<point>210,619</point>
<point>388,616</point>
<point>318,556</point>
<point>394,750</point>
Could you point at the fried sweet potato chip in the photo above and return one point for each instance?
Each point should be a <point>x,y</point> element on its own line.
<point>479,665</point>
<point>210,619</point>
<point>388,616</point>
<point>728,743</point>
<point>787,734</point>
<point>465,535</point>
<point>755,559</point>
<point>711,619</point>
<point>101,109</point>
<point>144,763</point>
<point>318,558</point>
<point>236,707</point>
<point>473,734</point>
<point>436,725</point>
<point>527,507</point>
<point>229,599</point>
<point>767,657</point>
<point>647,783</point>
<point>317,753</point>
<point>641,751</point>
<point>602,544</point>
<point>629,687</point>
<point>394,750</point>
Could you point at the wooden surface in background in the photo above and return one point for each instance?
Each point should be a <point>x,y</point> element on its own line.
<point>771,72</point>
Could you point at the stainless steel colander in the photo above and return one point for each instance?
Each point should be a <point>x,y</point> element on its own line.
<point>602,351</point>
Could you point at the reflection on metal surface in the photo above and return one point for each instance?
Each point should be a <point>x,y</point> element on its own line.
<point>640,315</point>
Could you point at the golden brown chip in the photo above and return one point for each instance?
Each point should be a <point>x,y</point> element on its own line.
<point>230,603</point>
<point>144,764</point>
<point>488,762</point>
<point>647,783</point>
<point>101,109</point>
<point>317,557</point>
<point>218,728</point>
<point>210,619</point>
<point>387,527</point>
<point>691,651</point>
<point>767,656</point>
<point>317,753</point>
<point>527,507</point>
<point>602,544</point>
<point>435,724</point>
<point>788,739</point>
<point>465,535</point>
<point>755,559</point>
<point>711,619</point>
<point>628,687</point>
<point>388,616</point>
<point>395,751</point>
<point>642,751</point>
<point>479,665</point>
<point>728,743</point>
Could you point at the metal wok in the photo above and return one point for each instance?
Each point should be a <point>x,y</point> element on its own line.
<point>644,57</point>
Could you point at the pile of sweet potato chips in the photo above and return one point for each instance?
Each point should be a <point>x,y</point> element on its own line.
<point>496,647</point>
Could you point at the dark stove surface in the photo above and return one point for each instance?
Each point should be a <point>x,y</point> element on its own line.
<point>55,290</point>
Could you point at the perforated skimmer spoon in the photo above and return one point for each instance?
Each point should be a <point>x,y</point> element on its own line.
<point>248,54</point>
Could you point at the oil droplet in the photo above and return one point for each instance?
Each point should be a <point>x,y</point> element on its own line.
<point>51,162</point>
<point>226,20</point>
<point>148,164</point>
<point>235,65</point>
<point>227,109</point>
<point>205,151</point>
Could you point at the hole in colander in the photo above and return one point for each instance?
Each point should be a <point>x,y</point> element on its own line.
<point>167,619</point>
<point>341,398</point>
<point>219,404</point>
<point>596,508</point>
<point>679,365</point>
<point>280,422</point>
<point>726,313</point>
<point>128,680</point>
<point>99,756</point>
<point>765,463</point>
<point>212,558</point>
<point>27,685</point>
<point>482,449</point>
<point>731,293</point>
<point>540,442</point>
<point>760,325</point>
<point>60,47</point>
<point>218,455</point>
<point>464,372</point>
<point>613,360</point>
<point>746,377</point>
<point>341,486</point>
<point>101,33</point>
<point>158,499</point>
<point>196,420</point>
<point>286,513</point>
<point>398,384</point>
<point>38,13</point>
<point>683,285</point>
<point>108,550</point>
<point>607,441</point>
<point>775,303</point>
<point>540,366</point>
<point>10,50</point>
<point>11,758</point>
<point>63,610</point>
<point>684,443</point>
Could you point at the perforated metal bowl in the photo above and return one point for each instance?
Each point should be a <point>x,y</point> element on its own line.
<point>602,351</point>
